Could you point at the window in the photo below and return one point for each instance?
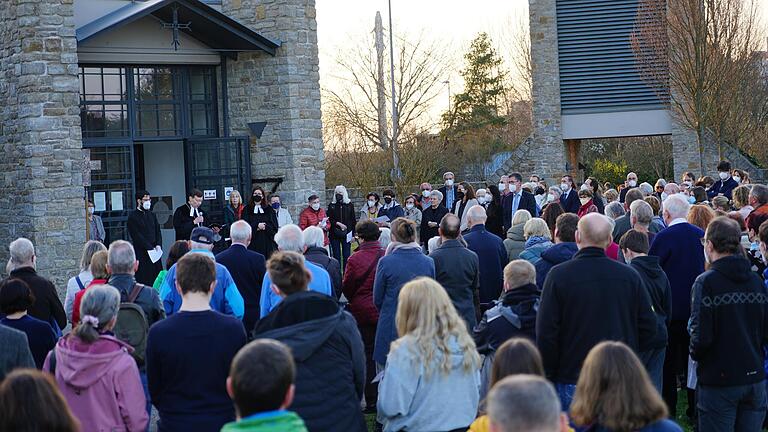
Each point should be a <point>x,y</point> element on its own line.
<point>157,102</point>
<point>201,100</point>
<point>103,102</point>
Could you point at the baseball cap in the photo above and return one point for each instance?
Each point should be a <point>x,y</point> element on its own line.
<point>204,235</point>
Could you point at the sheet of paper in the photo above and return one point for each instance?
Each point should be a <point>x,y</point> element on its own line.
<point>382,219</point>
<point>349,237</point>
<point>116,198</point>
<point>155,255</point>
<point>209,194</point>
<point>99,201</point>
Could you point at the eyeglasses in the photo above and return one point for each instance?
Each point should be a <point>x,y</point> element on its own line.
<point>703,241</point>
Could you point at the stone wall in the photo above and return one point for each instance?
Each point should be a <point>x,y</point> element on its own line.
<point>284,91</point>
<point>549,157</point>
<point>41,159</point>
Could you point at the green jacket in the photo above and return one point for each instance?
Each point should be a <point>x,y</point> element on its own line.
<point>277,421</point>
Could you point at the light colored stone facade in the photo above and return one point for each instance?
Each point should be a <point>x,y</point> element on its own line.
<point>41,197</point>
<point>284,91</point>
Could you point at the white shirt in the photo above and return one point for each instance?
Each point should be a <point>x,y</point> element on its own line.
<point>284,218</point>
<point>677,221</point>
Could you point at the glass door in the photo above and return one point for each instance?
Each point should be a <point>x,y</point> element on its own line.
<point>217,166</point>
<point>112,188</point>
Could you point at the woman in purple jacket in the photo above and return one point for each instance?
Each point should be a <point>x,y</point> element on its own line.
<point>95,371</point>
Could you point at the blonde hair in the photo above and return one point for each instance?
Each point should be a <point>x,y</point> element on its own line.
<point>237,194</point>
<point>615,391</point>
<point>426,315</point>
<point>536,227</point>
<point>521,217</point>
<point>519,272</point>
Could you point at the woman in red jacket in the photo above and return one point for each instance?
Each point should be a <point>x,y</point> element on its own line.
<point>314,215</point>
<point>357,286</point>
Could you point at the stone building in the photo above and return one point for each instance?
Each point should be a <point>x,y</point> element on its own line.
<point>101,98</point>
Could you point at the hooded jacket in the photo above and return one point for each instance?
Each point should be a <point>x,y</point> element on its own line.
<point>329,356</point>
<point>512,316</point>
<point>559,253</point>
<point>101,384</point>
<point>729,324</point>
<point>657,285</point>
<point>534,247</point>
<point>515,241</point>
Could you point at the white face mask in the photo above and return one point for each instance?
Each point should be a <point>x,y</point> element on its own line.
<point>564,186</point>
<point>664,196</point>
<point>425,193</point>
<point>502,187</point>
<point>724,175</point>
<point>449,182</point>
<point>584,200</point>
<point>632,183</point>
<point>90,210</point>
<point>512,188</point>
<point>481,200</point>
<point>737,179</point>
<point>409,206</point>
<point>584,187</point>
<point>146,205</point>
<point>550,197</point>
<point>371,203</point>
<point>315,206</point>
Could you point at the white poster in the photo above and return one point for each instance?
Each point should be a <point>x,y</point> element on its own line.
<point>228,191</point>
<point>209,194</point>
<point>117,200</point>
<point>99,201</point>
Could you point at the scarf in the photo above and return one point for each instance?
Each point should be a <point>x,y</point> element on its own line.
<point>533,241</point>
<point>397,246</point>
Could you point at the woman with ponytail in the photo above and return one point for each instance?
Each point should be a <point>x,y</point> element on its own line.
<point>403,262</point>
<point>95,371</point>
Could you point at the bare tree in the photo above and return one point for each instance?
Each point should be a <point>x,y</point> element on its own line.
<point>695,54</point>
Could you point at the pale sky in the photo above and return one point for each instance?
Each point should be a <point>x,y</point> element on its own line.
<point>452,21</point>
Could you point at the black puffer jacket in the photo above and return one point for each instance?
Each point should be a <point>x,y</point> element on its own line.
<point>512,316</point>
<point>330,360</point>
<point>657,285</point>
<point>319,256</point>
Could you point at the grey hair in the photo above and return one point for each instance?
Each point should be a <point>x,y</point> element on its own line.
<point>22,253</point>
<point>90,248</point>
<point>524,403</point>
<point>314,236</point>
<point>642,212</point>
<point>385,237</point>
<point>101,302</point>
<point>240,231</point>
<point>434,243</point>
<point>760,192</point>
<point>646,188</point>
<point>289,238</point>
<point>121,258</point>
<point>677,206</point>
<point>198,245</point>
<point>614,210</point>
<point>436,193</point>
<point>477,214</point>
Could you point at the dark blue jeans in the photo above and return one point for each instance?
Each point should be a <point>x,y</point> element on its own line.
<point>731,409</point>
<point>565,392</point>
<point>653,360</point>
<point>339,247</point>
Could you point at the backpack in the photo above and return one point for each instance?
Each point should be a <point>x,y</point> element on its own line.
<point>132,326</point>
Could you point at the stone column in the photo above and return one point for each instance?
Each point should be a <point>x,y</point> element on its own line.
<point>685,150</point>
<point>547,126</point>
<point>41,197</point>
<point>284,91</point>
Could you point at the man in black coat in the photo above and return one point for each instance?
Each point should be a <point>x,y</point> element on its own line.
<point>634,246</point>
<point>518,199</point>
<point>144,231</point>
<point>729,328</point>
<point>325,344</point>
<point>587,300</point>
<point>449,191</point>
<point>188,216</point>
<point>431,217</point>
<point>458,271</point>
<point>247,269</point>
<point>569,199</point>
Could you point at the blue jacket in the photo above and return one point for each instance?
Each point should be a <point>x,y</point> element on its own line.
<point>321,282</point>
<point>559,253</point>
<point>392,272</point>
<point>225,299</point>
<point>247,269</point>
<point>681,255</point>
<point>724,187</point>
<point>493,257</point>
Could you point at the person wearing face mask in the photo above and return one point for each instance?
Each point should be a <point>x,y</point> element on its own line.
<point>391,208</point>
<point>482,195</point>
<point>263,221</point>
<point>423,201</point>
<point>412,212</point>
<point>468,199</point>
<point>518,199</point>
<point>431,217</point>
<point>96,226</point>
<point>631,183</point>
<point>449,191</point>
<point>725,184</point>
<point>370,209</point>
<point>188,216</point>
<point>495,212</point>
<point>569,198</point>
<point>144,231</point>
<point>341,221</point>
<point>283,216</point>
<point>587,204</point>
<point>741,177</point>
<point>314,215</point>
<point>688,179</point>
<point>634,246</point>
<point>728,331</point>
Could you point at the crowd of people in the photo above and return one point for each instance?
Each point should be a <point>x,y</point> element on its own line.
<point>520,306</point>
